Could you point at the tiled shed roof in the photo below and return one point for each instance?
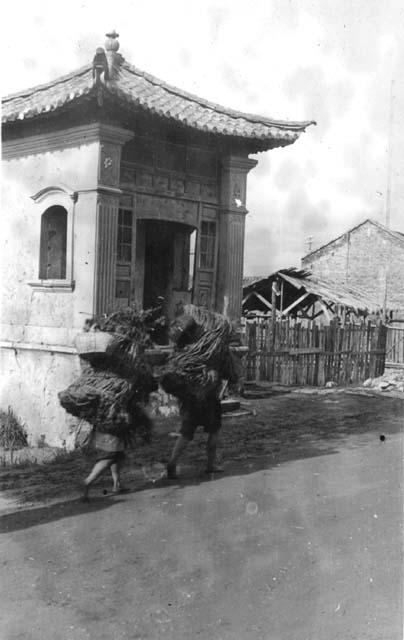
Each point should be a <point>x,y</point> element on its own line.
<point>142,90</point>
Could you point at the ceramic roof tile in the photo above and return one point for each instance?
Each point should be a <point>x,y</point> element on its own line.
<point>136,88</point>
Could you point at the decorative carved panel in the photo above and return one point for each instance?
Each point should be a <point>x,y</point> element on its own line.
<point>177,186</point>
<point>128,177</point>
<point>144,179</point>
<point>161,183</point>
<point>160,208</point>
<point>138,178</point>
<point>209,191</point>
<point>109,165</point>
<point>201,162</point>
<point>234,182</point>
<point>171,156</point>
<point>193,188</point>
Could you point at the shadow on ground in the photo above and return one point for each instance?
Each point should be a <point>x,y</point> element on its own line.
<point>280,429</point>
<point>25,518</point>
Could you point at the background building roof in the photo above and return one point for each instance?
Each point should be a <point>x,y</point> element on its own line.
<point>397,235</point>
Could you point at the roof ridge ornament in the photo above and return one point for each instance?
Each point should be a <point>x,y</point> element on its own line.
<point>100,66</point>
<point>113,57</point>
<point>100,72</point>
<point>112,44</point>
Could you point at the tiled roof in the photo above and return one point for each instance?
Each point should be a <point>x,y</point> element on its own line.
<point>47,97</point>
<point>139,89</point>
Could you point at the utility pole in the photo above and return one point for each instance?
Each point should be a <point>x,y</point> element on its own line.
<point>389,155</point>
<point>388,190</point>
<point>309,243</point>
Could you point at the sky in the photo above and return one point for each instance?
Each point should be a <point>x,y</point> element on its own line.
<point>339,62</point>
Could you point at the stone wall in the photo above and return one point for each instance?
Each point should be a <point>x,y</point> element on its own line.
<point>366,258</point>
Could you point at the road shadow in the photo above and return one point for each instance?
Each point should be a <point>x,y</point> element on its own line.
<point>25,518</point>
<point>293,427</point>
<point>278,430</point>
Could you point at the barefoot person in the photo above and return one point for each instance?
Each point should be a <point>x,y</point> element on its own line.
<point>206,414</point>
<point>196,410</point>
<point>110,454</point>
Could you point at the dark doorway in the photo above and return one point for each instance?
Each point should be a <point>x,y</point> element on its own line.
<point>168,265</point>
<point>159,259</point>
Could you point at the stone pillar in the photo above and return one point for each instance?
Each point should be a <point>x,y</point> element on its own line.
<point>111,141</point>
<point>231,234</point>
<point>139,261</point>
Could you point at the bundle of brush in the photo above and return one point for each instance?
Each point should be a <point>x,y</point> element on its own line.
<point>110,403</point>
<point>131,331</point>
<point>116,384</point>
<point>187,375</point>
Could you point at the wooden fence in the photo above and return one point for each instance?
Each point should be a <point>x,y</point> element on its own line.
<point>290,353</point>
<point>395,345</point>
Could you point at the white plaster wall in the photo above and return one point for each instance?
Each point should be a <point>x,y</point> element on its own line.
<point>31,379</point>
<point>29,384</point>
<point>28,314</point>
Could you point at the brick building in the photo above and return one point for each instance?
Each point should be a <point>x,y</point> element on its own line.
<point>370,257</point>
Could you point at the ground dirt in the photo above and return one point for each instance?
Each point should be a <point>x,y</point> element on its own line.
<point>299,539</point>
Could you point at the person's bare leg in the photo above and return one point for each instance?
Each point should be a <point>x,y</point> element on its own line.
<point>97,470</point>
<point>179,447</point>
<point>116,476</point>
<point>211,450</point>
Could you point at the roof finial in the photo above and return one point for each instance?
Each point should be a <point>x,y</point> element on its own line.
<point>112,44</point>
<point>111,50</point>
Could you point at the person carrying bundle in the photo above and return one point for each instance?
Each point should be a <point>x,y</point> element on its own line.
<point>195,377</point>
<point>110,454</point>
<point>111,394</point>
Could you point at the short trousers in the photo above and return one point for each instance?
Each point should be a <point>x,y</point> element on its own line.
<point>112,456</point>
<point>207,415</point>
<point>109,447</point>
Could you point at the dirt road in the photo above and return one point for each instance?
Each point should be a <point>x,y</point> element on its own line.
<point>300,540</point>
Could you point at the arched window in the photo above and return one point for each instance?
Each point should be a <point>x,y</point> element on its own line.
<point>53,247</point>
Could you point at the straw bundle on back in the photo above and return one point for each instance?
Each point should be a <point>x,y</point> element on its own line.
<point>116,378</point>
<point>187,376</point>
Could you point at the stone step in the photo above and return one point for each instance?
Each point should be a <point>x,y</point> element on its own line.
<point>230,404</point>
<point>258,392</point>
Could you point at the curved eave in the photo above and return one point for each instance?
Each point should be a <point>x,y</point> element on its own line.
<point>127,71</point>
<point>47,98</point>
<point>258,135</point>
<point>135,89</point>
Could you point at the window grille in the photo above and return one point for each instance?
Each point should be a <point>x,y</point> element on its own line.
<point>207,246</point>
<point>124,256</point>
<point>53,244</point>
